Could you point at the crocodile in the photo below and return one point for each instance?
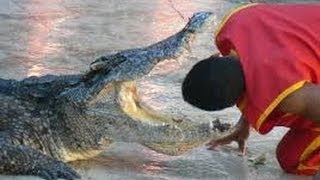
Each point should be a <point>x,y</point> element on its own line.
<point>48,121</point>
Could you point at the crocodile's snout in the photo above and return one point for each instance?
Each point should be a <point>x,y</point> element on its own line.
<point>200,21</point>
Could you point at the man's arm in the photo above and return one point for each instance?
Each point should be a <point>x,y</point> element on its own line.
<point>304,102</point>
<point>240,134</point>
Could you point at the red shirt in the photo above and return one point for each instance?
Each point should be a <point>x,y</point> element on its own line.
<point>279,49</point>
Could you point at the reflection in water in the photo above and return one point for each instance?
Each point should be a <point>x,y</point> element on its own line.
<point>157,163</point>
<point>36,70</point>
<point>166,23</point>
<point>136,159</point>
<point>42,20</point>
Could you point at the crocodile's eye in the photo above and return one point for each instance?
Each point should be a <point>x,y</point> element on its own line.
<point>98,63</point>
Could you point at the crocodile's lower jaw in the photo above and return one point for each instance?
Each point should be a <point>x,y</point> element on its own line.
<point>84,154</point>
<point>173,149</point>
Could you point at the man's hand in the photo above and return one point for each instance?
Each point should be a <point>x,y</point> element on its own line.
<point>240,134</point>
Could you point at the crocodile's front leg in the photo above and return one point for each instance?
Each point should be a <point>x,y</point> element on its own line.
<point>23,160</point>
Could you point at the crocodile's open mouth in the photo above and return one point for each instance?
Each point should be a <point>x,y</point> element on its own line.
<point>119,102</point>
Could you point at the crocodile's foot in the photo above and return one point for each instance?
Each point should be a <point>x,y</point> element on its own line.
<point>23,160</point>
<point>54,169</point>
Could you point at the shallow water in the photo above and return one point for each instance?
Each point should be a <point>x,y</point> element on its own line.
<point>63,36</point>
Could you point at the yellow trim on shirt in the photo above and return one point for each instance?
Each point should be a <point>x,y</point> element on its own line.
<point>227,16</point>
<point>303,167</point>
<point>277,100</point>
<point>314,145</point>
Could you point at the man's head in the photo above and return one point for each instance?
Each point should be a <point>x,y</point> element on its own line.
<point>214,83</point>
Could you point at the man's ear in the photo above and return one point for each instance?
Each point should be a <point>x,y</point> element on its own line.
<point>216,54</point>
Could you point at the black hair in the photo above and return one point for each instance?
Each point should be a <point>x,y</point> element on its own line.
<point>214,83</point>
